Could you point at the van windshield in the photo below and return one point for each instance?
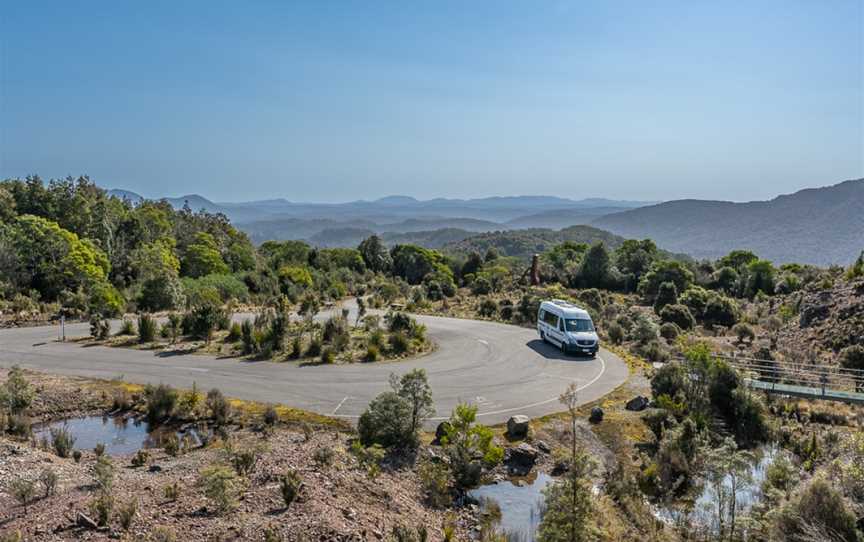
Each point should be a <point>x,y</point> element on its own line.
<point>576,325</point>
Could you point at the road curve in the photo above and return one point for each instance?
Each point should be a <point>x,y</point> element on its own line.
<point>504,369</point>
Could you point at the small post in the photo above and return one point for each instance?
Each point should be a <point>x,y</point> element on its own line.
<point>62,328</point>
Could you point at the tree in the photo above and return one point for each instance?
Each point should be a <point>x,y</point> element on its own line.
<point>852,357</point>
<point>569,503</point>
<point>721,311</point>
<point>387,421</point>
<point>469,445</point>
<point>728,471</point>
<point>595,269</point>
<point>664,271</point>
<point>737,259</point>
<point>414,388</point>
<point>472,265</point>
<point>634,259</point>
<point>761,277</point>
<point>203,257</point>
<point>375,254</point>
<point>818,512</point>
<point>666,295</point>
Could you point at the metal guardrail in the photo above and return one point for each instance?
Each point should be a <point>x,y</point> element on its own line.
<point>801,379</point>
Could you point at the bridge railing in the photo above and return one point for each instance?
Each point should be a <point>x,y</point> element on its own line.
<point>821,377</point>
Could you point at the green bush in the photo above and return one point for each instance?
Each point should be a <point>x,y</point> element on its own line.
<point>234,333</point>
<point>399,343</point>
<point>126,513</point>
<point>126,327</point>
<point>328,356</point>
<point>469,445</point>
<point>289,486</point>
<point>221,486</point>
<point>372,353</point>
<point>220,409</point>
<point>615,333</point>
<point>721,311</point>
<point>48,479</point>
<point>387,421</point>
<point>679,315</point>
<point>818,512</point>
<point>62,441</point>
<point>666,295</point>
<point>23,489</point>
<point>435,479</point>
<point>669,331</point>
<point>744,332</point>
<point>146,328</point>
<point>141,458</point>
<point>101,508</point>
<point>161,401</point>
<point>100,328</point>
<point>16,393</point>
<point>487,308</point>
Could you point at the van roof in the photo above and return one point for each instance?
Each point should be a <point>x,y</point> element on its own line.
<point>566,308</point>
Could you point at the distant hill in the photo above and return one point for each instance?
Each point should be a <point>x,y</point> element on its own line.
<point>429,239</point>
<point>820,226</point>
<point>525,243</point>
<point>561,218</point>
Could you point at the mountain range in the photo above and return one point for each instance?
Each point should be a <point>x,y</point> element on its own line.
<point>820,226</point>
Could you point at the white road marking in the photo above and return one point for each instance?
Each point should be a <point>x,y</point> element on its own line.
<point>484,343</point>
<point>342,402</point>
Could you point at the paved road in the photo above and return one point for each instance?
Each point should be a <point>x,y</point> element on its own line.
<point>504,369</point>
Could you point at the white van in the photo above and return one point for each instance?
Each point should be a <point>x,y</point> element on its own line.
<point>567,326</point>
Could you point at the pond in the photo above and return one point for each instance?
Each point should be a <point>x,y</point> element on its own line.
<point>120,435</point>
<point>521,504</point>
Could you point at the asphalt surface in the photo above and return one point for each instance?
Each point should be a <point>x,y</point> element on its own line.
<point>504,369</point>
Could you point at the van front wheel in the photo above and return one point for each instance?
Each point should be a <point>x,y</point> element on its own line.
<point>543,337</point>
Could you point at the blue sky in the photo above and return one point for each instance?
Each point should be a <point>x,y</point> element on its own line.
<point>331,101</point>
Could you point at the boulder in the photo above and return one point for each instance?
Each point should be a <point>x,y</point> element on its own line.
<point>596,415</point>
<point>543,447</point>
<point>521,459</point>
<point>638,403</point>
<point>517,426</point>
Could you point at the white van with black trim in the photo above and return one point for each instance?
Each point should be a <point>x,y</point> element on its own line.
<point>568,327</point>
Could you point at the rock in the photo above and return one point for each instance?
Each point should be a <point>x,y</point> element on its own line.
<point>517,426</point>
<point>520,459</point>
<point>596,415</point>
<point>543,447</point>
<point>82,520</point>
<point>154,468</point>
<point>638,403</point>
<point>441,430</point>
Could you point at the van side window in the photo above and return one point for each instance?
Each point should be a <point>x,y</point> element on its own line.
<point>542,315</point>
<point>551,319</point>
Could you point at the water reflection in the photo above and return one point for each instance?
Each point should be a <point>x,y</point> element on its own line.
<point>521,504</point>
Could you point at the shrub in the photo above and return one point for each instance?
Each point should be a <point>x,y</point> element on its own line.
<point>679,315</point>
<point>469,446</point>
<point>818,512</point>
<point>234,333</point>
<point>328,356</point>
<point>126,327</point>
<point>163,534</point>
<point>669,331</point>
<point>487,308</point>
<point>171,492</point>
<point>171,445</point>
<point>289,486</point>
<point>48,478</point>
<point>666,295</point>
<point>399,321</point>
<point>369,458</point>
<point>654,351</point>
<point>100,328</point>
<point>435,479</point>
<point>161,401</point>
<point>126,513</point>
<point>314,349</point>
<point>244,459</point>
<point>103,473</point>
<point>146,328</point>
<point>372,353</point>
<point>141,458</point>
<point>323,456</point>
<point>413,386</point>
<point>203,319</point>
<point>76,456</point>
<point>852,357</point>
<point>271,416</point>
<point>220,409</point>
<point>62,441</point>
<point>23,490</point>
<point>721,311</point>
<point>99,449</point>
<point>16,394</point>
<point>744,333</point>
<point>387,422</point>
<point>101,508</point>
<point>247,336</point>
<point>644,330</point>
<point>173,327</point>
<point>399,343</point>
<point>615,333</point>
<point>221,486</point>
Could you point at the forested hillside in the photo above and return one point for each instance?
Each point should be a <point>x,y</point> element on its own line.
<point>820,226</point>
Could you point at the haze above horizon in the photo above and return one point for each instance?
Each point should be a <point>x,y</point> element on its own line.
<point>310,102</point>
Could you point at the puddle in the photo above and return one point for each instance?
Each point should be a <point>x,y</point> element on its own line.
<point>120,435</point>
<point>521,505</point>
<point>704,507</point>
